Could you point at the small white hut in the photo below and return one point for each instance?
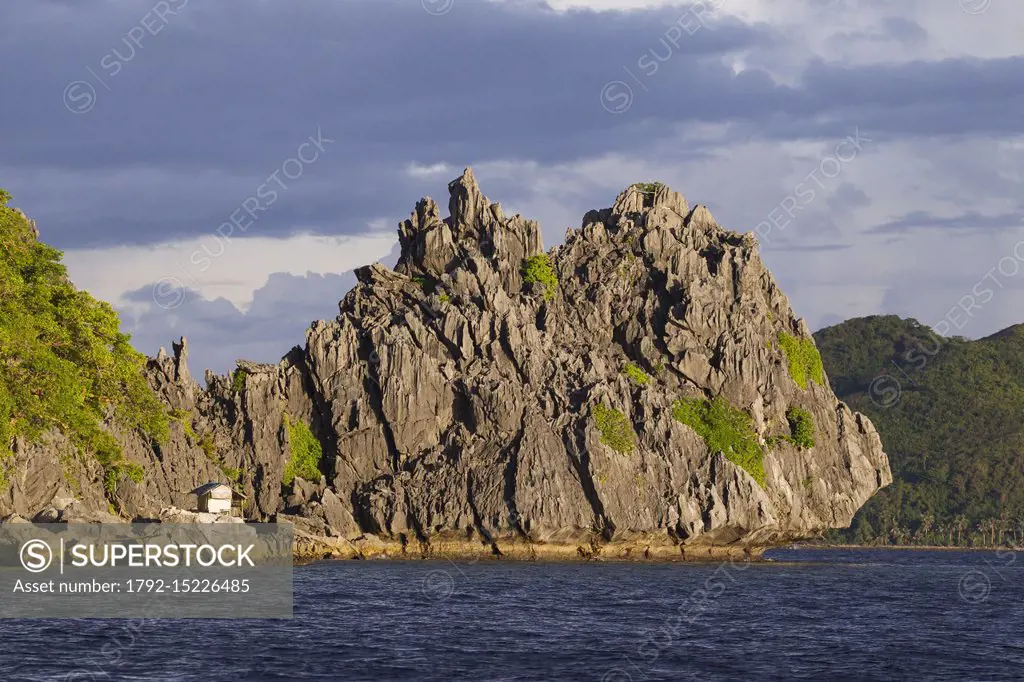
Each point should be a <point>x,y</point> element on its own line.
<point>216,498</point>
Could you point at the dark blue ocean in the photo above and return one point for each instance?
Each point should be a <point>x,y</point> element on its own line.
<point>810,614</point>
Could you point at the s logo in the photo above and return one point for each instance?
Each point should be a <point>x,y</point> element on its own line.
<point>36,556</point>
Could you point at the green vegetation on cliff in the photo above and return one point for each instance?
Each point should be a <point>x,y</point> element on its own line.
<point>724,429</point>
<point>238,380</point>
<point>114,474</point>
<point>538,269</point>
<point>649,187</point>
<point>64,363</point>
<point>803,358</point>
<point>306,453</point>
<point>949,414</point>
<point>635,374</point>
<point>616,431</point>
<point>801,427</point>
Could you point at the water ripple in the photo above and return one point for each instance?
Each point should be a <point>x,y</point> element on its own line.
<point>850,614</point>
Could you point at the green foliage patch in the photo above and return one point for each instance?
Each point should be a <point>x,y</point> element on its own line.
<point>803,358</point>
<point>116,473</point>
<point>6,464</point>
<point>306,453</point>
<point>649,187</point>
<point>185,419</point>
<point>208,446</point>
<point>724,429</point>
<point>238,380</point>
<point>540,269</point>
<point>635,374</point>
<point>64,363</point>
<point>232,473</point>
<point>616,431</point>
<point>801,427</point>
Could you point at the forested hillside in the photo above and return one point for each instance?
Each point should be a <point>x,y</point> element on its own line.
<point>64,363</point>
<point>950,415</point>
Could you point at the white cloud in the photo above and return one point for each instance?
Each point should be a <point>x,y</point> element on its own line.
<point>218,269</point>
<point>419,171</point>
<point>828,259</point>
<point>853,31</point>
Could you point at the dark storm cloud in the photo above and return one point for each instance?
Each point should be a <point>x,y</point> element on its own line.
<point>847,197</point>
<point>199,115</point>
<point>219,334</point>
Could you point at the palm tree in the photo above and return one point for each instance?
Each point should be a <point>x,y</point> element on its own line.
<point>892,525</point>
<point>900,535</point>
<point>992,526</point>
<point>1004,524</point>
<point>927,521</point>
<point>960,524</point>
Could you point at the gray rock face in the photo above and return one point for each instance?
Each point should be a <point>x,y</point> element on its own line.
<point>455,403</point>
<point>44,473</point>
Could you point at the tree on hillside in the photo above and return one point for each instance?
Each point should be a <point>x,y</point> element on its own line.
<point>64,363</point>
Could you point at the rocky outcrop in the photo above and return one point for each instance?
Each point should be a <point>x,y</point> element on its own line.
<point>46,474</point>
<point>455,401</point>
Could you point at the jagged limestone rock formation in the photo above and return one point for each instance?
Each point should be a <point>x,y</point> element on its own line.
<point>457,402</point>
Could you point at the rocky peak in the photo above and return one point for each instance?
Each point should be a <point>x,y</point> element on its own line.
<point>171,376</point>
<point>476,376</point>
<point>477,236</point>
<point>469,208</point>
<point>644,198</point>
<point>460,412</point>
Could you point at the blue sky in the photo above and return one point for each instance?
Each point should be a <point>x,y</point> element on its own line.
<point>217,169</point>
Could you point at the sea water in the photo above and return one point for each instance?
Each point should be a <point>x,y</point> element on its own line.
<point>809,614</point>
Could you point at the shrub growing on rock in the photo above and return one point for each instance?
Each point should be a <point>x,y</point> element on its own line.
<point>724,429</point>
<point>801,427</point>
<point>803,358</point>
<point>306,453</point>
<point>114,474</point>
<point>635,374</point>
<point>238,380</point>
<point>539,269</point>
<point>616,431</point>
<point>649,187</point>
<point>426,283</point>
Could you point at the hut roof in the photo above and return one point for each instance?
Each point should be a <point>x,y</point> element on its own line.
<point>211,487</point>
